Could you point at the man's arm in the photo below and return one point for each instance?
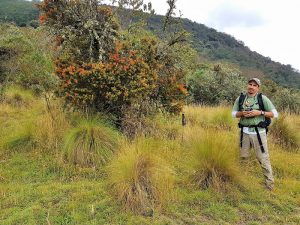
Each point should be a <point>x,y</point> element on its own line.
<point>255,113</point>
<point>239,114</point>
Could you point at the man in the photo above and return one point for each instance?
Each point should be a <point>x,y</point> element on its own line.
<point>254,111</point>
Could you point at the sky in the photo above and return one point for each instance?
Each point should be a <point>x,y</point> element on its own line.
<point>269,27</point>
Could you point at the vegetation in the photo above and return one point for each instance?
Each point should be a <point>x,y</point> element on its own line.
<point>89,143</point>
<point>209,43</point>
<point>109,70</point>
<point>21,12</point>
<point>156,178</point>
<point>65,95</point>
<point>28,58</point>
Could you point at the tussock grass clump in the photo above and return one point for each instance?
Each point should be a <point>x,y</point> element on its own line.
<point>89,144</point>
<point>18,97</point>
<point>212,162</point>
<point>284,132</point>
<point>140,180</point>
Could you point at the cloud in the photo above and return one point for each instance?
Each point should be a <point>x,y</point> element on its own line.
<point>228,16</point>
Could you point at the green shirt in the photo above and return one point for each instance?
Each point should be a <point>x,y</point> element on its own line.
<point>252,103</point>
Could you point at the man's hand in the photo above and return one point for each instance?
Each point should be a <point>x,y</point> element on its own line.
<point>251,113</point>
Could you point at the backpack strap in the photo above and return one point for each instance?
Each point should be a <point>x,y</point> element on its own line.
<point>259,140</point>
<point>241,101</point>
<point>260,102</point>
<point>262,107</point>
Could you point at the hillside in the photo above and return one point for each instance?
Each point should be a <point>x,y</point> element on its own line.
<point>23,13</point>
<point>210,44</point>
<point>218,46</point>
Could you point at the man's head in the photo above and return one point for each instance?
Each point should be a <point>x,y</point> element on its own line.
<point>253,86</point>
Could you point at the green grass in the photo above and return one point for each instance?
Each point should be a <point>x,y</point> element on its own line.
<point>37,187</point>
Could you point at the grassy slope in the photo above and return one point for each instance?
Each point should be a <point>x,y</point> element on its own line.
<point>36,187</point>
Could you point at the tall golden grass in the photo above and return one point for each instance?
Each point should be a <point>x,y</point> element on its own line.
<point>210,117</point>
<point>212,159</point>
<point>139,179</point>
<point>285,132</point>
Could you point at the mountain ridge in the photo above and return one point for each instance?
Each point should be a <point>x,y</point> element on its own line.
<point>211,44</point>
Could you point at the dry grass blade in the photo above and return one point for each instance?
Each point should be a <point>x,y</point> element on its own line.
<point>140,180</point>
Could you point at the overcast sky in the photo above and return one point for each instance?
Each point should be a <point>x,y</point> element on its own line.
<point>269,27</point>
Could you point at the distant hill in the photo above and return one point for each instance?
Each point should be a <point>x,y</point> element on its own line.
<point>218,46</point>
<point>211,44</point>
<point>21,12</point>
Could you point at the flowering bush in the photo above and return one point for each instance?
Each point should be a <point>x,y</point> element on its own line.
<point>105,70</point>
<point>107,86</point>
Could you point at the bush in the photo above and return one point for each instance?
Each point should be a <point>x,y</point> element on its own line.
<point>287,100</point>
<point>139,179</point>
<point>90,143</point>
<point>213,86</point>
<point>30,65</point>
<point>121,82</point>
<point>103,69</point>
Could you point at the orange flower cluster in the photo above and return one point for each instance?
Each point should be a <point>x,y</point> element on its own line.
<point>182,88</point>
<point>122,79</point>
<point>48,8</point>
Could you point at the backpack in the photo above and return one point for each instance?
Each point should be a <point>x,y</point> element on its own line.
<point>267,121</point>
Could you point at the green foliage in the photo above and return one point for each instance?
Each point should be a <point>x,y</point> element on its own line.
<point>285,99</point>
<point>90,144</point>
<point>85,31</point>
<point>32,50</point>
<point>288,100</point>
<point>214,86</point>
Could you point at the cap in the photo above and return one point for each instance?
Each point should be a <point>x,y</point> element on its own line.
<point>256,80</point>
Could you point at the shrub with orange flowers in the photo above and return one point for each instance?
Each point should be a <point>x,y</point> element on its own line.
<point>107,86</point>
<point>104,70</point>
<point>133,73</point>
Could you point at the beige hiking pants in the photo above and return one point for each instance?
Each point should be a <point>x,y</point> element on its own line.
<point>263,158</point>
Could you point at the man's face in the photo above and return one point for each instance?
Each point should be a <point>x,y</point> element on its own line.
<point>252,88</point>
